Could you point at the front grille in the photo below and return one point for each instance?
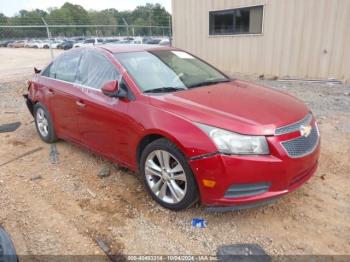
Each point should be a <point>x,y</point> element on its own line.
<point>295,126</point>
<point>302,146</point>
<point>245,190</point>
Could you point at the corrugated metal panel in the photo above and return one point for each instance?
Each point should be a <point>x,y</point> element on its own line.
<point>304,39</point>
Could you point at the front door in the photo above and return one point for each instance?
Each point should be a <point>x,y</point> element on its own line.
<point>103,120</point>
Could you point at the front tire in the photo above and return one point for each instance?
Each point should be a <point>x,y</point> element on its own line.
<point>44,124</point>
<point>167,175</point>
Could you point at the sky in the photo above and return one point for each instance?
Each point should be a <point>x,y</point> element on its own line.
<point>10,7</point>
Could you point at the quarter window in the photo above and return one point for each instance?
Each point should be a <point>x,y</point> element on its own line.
<point>246,20</point>
<point>47,71</point>
<point>95,70</point>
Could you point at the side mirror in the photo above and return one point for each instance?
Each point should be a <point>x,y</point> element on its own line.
<point>112,89</point>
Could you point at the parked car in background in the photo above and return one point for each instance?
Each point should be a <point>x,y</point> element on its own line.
<point>125,42</point>
<point>40,44</point>
<point>111,41</point>
<point>46,44</point>
<point>137,41</point>
<point>129,38</point>
<point>66,44</point>
<point>29,43</point>
<point>55,43</point>
<point>89,42</point>
<point>6,43</point>
<point>191,132</point>
<point>17,44</point>
<point>153,41</point>
<point>164,42</point>
<point>146,39</point>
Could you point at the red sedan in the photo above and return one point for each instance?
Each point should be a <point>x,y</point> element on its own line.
<point>193,133</point>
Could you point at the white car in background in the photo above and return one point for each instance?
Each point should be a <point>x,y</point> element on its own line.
<point>30,43</point>
<point>55,43</point>
<point>164,42</point>
<point>89,42</point>
<point>40,44</point>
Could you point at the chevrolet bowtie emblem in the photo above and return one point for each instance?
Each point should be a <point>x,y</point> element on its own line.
<point>305,131</point>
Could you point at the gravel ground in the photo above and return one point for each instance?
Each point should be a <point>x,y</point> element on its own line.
<point>63,208</point>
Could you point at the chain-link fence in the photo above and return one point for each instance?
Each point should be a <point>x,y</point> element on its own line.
<point>21,32</point>
<point>66,36</point>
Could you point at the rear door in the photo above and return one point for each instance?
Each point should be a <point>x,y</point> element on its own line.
<point>61,95</point>
<point>103,121</point>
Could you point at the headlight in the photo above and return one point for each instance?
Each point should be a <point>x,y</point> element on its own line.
<point>232,143</point>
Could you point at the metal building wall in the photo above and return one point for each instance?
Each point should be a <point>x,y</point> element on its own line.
<point>301,38</point>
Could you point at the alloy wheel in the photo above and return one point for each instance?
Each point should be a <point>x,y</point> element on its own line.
<point>165,176</point>
<point>42,122</point>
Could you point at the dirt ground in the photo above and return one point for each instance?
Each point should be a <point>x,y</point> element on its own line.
<point>68,207</point>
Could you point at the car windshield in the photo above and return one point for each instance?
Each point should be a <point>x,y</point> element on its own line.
<point>168,70</point>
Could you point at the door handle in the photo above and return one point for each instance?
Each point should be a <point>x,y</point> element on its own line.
<point>80,104</point>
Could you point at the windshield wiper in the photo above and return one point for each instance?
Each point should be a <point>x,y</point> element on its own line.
<point>207,83</point>
<point>165,89</point>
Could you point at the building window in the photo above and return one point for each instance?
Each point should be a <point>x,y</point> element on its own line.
<point>247,20</point>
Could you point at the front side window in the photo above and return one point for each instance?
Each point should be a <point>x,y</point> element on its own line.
<point>65,67</point>
<point>166,70</point>
<point>95,70</point>
<point>246,20</point>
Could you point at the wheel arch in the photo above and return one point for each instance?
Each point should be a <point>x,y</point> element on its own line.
<point>153,135</point>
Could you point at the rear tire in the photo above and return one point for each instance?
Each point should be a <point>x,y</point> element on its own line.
<point>167,176</point>
<point>44,124</point>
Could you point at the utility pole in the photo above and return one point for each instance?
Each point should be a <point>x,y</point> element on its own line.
<point>49,37</point>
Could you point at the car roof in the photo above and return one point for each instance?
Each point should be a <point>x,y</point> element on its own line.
<point>126,48</point>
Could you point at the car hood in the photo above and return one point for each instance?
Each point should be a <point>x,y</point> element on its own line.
<point>238,106</point>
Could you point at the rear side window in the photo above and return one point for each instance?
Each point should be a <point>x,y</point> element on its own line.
<point>65,67</point>
<point>95,70</point>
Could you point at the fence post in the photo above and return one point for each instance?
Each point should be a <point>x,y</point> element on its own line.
<point>170,30</point>
<point>127,26</point>
<point>49,37</point>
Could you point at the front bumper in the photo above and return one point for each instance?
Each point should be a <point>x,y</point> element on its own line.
<point>282,173</point>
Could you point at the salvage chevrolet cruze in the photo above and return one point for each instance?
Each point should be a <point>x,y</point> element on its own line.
<point>190,131</point>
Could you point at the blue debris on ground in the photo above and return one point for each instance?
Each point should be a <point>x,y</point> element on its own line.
<point>199,223</point>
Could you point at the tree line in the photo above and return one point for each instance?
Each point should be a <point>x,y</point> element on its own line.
<point>148,19</point>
